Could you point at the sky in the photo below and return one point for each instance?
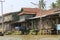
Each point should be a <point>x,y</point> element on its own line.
<point>16,5</point>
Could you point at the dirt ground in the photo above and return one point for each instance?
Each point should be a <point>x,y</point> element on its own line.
<point>30,37</point>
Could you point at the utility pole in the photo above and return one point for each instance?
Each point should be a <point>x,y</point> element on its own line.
<point>2,15</point>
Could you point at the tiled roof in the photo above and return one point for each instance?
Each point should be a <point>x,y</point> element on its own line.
<point>38,12</point>
<point>50,11</point>
<point>44,13</point>
<point>29,11</point>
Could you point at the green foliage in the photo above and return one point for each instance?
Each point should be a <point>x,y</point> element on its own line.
<point>15,16</point>
<point>53,5</point>
<point>8,33</point>
<point>58,3</point>
<point>17,33</point>
<point>42,4</point>
<point>35,24</point>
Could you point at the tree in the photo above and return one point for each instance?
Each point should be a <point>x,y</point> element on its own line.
<point>42,4</point>
<point>58,3</point>
<point>53,5</point>
<point>15,16</point>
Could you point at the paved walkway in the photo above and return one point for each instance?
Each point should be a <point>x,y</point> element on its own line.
<point>29,37</point>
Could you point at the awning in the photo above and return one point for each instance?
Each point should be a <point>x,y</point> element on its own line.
<point>45,15</point>
<point>37,17</point>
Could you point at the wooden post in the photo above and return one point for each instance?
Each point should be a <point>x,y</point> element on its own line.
<point>33,24</point>
<point>51,25</point>
<point>41,25</point>
<point>56,24</point>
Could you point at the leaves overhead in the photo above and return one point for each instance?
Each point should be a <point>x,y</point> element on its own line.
<point>53,5</point>
<point>42,4</point>
<point>56,5</point>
